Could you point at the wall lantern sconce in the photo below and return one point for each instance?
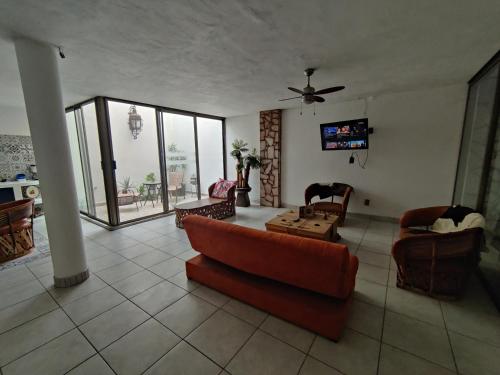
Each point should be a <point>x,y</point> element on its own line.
<point>134,121</point>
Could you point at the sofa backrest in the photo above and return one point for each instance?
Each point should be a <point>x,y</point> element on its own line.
<point>320,266</point>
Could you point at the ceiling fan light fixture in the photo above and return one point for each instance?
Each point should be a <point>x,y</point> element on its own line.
<point>309,94</point>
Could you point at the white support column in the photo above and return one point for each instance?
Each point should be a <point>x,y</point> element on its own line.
<point>47,120</point>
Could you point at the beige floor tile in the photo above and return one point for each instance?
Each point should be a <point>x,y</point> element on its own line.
<point>414,305</point>
<point>92,366</point>
<point>111,325</point>
<point>140,348</point>
<point>185,360</point>
<point>371,258</point>
<point>158,297</point>
<point>119,272</point>
<point>26,310</point>
<point>246,312</point>
<point>137,283</point>
<point>151,258</point>
<point>376,247</point>
<point>18,293</point>
<point>56,357</point>
<point>40,270</point>
<point>16,276</point>
<point>288,332</point>
<point>220,337</point>
<point>353,354</point>
<point>67,295</point>
<point>162,242</point>
<point>181,280</point>
<point>419,338</point>
<point>188,254</point>
<point>475,357</point>
<point>395,362</point>
<point>93,304</point>
<point>371,293</point>
<point>186,314</point>
<point>168,268</point>
<point>475,324</point>
<point>372,274</point>
<point>29,336</point>
<point>263,354</point>
<point>98,264</point>
<point>366,318</point>
<point>211,295</point>
<point>312,366</point>
<point>135,251</point>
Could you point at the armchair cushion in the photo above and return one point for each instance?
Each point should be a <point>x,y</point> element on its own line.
<point>221,188</point>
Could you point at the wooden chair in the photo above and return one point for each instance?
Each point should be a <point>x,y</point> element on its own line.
<point>16,229</point>
<point>336,189</point>
<point>436,264</point>
<point>175,180</point>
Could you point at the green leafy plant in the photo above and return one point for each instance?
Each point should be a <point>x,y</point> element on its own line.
<point>141,190</point>
<point>251,161</point>
<point>150,177</point>
<point>125,185</point>
<point>244,162</point>
<point>175,162</point>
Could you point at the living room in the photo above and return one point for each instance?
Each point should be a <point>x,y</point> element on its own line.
<point>249,187</point>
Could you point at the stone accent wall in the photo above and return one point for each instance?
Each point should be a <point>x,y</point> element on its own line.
<point>270,156</point>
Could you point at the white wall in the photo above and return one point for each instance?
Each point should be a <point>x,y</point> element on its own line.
<point>13,121</point>
<point>412,157</point>
<point>246,128</point>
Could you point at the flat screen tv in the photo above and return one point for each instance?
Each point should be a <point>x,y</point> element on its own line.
<point>345,135</point>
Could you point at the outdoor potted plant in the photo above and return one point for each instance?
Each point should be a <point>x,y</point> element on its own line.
<point>126,185</point>
<point>244,162</point>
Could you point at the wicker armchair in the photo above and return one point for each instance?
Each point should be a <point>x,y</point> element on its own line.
<point>16,229</point>
<point>326,191</point>
<point>228,206</point>
<point>434,263</point>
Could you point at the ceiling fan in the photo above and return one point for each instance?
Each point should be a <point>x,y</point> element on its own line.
<point>309,94</point>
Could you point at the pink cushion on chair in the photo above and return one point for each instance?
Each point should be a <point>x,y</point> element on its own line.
<point>221,188</point>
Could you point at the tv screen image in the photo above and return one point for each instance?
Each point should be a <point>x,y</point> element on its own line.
<point>345,135</point>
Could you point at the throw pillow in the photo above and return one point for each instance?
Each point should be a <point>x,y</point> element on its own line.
<point>457,213</point>
<point>221,188</point>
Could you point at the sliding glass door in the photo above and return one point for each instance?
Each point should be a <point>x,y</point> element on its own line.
<point>180,158</point>
<point>76,158</point>
<point>132,161</point>
<point>134,135</point>
<point>210,151</point>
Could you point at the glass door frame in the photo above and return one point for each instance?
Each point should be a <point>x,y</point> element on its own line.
<point>108,162</point>
<point>491,64</point>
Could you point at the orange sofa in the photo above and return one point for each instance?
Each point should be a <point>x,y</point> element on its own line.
<point>307,282</point>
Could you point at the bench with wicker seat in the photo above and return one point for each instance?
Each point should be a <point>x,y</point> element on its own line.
<point>215,208</point>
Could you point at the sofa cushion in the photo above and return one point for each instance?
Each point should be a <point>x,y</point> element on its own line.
<point>320,266</point>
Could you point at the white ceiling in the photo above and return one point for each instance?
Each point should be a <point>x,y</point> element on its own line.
<point>230,57</point>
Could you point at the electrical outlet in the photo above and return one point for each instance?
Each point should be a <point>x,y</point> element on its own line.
<point>367,202</point>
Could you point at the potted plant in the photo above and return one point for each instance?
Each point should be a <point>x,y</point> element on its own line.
<point>244,162</point>
<point>125,185</point>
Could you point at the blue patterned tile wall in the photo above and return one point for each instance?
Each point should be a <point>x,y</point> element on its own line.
<point>16,154</point>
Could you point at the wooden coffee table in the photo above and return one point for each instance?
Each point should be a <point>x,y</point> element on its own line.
<point>312,227</point>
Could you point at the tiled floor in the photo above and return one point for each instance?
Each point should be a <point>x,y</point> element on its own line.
<point>139,314</point>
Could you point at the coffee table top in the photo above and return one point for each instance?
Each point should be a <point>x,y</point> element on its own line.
<point>316,224</point>
<point>198,203</point>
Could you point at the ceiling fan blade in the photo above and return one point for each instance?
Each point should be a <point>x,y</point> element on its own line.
<point>296,90</point>
<point>329,90</point>
<point>318,99</point>
<point>295,97</point>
